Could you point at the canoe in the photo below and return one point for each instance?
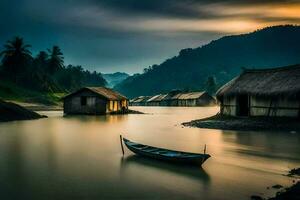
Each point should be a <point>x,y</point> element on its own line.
<point>166,154</point>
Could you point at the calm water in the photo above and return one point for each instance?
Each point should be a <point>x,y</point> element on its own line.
<point>79,157</point>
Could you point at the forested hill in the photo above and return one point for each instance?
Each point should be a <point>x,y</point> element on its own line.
<point>39,76</point>
<point>222,59</point>
<point>114,78</point>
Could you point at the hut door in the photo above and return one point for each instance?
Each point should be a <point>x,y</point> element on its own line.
<point>243,105</point>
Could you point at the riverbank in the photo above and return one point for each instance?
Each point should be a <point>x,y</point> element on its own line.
<point>39,106</point>
<point>291,193</point>
<point>11,112</point>
<point>14,93</point>
<point>246,123</point>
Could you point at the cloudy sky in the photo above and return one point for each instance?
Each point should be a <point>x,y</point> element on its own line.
<point>129,35</point>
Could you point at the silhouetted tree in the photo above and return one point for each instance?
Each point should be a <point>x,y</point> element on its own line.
<point>41,61</point>
<point>16,56</point>
<point>211,85</point>
<point>42,58</point>
<point>56,60</point>
<point>46,72</point>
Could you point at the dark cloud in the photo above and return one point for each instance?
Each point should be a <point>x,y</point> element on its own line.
<point>177,8</point>
<point>128,35</point>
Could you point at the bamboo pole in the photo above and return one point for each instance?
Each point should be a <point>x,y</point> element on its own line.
<point>121,141</point>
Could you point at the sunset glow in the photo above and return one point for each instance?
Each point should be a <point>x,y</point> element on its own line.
<point>133,35</point>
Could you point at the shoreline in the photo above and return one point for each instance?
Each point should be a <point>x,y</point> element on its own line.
<point>246,123</point>
<point>291,193</point>
<point>38,106</point>
<point>14,112</point>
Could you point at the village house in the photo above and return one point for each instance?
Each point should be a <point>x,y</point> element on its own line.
<point>177,98</point>
<point>168,98</point>
<point>155,100</point>
<point>264,92</point>
<point>193,99</point>
<point>139,101</point>
<point>95,100</point>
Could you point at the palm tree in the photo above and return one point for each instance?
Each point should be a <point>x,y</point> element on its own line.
<point>15,57</point>
<point>56,60</point>
<point>41,61</point>
<point>42,57</point>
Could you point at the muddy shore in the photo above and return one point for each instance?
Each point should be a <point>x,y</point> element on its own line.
<point>290,193</point>
<point>11,112</point>
<point>39,107</point>
<point>247,123</point>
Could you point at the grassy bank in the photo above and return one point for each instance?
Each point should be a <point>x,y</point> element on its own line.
<point>11,92</point>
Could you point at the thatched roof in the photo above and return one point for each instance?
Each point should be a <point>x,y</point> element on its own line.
<point>107,93</point>
<point>276,82</point>
<point>177,96</point>
<point>140,99</point>
<point>189,95</point>
<point>156,98</point>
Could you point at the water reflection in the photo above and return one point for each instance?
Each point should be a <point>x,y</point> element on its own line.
<point>189,171</point>
<point>276,145</point>
<point>111,119</point>
<point>78,157</point>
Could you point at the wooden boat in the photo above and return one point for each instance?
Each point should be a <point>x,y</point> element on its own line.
<point>166,154</point>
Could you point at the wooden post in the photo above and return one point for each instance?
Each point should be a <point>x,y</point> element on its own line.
<point>121,141</point>
<point>204,151</point>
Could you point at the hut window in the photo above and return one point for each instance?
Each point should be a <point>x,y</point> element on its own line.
<point>124,103</point>
<point>111,105</point>
<point>83,101</point>
<point>115,105</point>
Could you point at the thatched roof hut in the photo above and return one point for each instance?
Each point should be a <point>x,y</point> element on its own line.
<point>94,100</point>
<point>275,82</point>
<point>193,99</point>
<point>155,100</point>
<point>267,92</point>
<point>139,101</point>
<point>178,98</point>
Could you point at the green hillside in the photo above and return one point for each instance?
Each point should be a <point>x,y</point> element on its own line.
<point>222,59</point>
<point>42,78</point>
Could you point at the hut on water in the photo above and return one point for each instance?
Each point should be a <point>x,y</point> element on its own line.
<point>168,99</point>
<point>95,100</point>
<point>156,100</point>
<point>178,98</point>
<point>264,92</point>
<point>193,99</point>
<point>139,101</point>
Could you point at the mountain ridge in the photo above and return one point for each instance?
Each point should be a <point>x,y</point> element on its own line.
<point>223,58</point>
<point>113,79</point>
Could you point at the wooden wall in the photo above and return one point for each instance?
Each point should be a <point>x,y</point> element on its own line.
<point>281,107</point>
<point>94,104</point>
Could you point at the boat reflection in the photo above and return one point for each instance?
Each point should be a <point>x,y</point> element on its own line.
<point>188,171</point>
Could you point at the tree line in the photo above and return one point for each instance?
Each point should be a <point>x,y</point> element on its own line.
<point>44,72</point>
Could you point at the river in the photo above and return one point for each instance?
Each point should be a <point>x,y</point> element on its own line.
<point>79,157</point>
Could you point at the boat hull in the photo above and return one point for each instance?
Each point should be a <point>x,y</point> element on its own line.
<point>165,154</point>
